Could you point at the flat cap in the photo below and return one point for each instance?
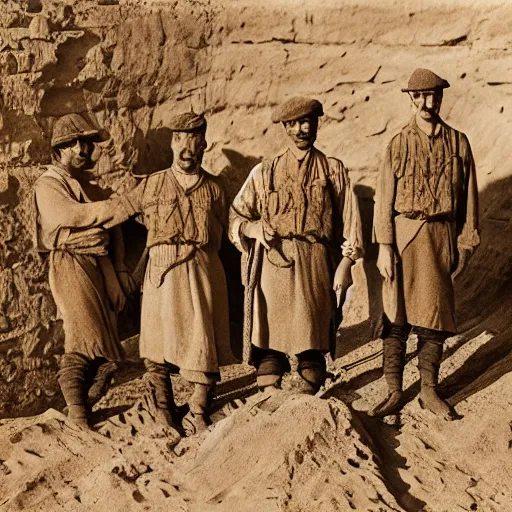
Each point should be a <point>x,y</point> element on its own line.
<point>72,127</point>
<point>187,122</point>
<point>295,108</point>
<point>425,80</point>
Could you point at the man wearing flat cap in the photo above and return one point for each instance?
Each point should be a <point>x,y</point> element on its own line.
<point>184,318</point>
<point>294,219</point>
<point>87,289</point>
<point>426,225</point>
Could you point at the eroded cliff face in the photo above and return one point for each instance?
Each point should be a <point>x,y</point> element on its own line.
<point>130,65</point>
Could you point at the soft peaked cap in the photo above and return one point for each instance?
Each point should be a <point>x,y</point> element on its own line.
<point>295,108</point>
<point>425,80</point>
<point>187,122</point>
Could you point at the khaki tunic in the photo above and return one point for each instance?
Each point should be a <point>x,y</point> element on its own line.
<point>73,231</point>
<point>184,318</point>
<point>307,200</point>
<point>426,205</point>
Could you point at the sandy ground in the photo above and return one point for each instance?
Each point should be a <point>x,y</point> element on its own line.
<point>264,452</point>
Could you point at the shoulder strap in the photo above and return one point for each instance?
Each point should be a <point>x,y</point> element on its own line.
<point>153,187</point>
<point>404,152</point>
<point>454,136</point>
<point>268,173</point>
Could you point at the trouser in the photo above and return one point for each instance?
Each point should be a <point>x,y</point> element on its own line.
<point>81,378</point>
<point>159,375</point>
<point>311,365</point>
<point>430,352</point>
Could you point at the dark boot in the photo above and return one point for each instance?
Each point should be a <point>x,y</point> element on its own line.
<point>270,367</point>
<point>159,377</point>
<point>72,381</point>
<point>393,348</point>
<point>99,377</point>
<point>312,369</point>
<point>430,354</point>
<point>200,403</point>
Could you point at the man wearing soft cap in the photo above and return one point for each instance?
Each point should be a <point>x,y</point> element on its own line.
<point>184,317</point>
<point>296,221</point>
<point>426,225</point>
<point>87,286</point>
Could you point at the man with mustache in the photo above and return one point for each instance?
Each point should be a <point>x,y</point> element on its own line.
<point>294,219</point>
<point>86,287</point>
<point>184,318</point>
<point>426,225</point>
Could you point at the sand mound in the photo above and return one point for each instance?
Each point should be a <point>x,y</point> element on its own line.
<point>281,452</point>
<point>289,452</point>
<point>48,465</point>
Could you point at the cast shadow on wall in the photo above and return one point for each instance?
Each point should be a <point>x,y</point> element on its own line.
<point>484,298</point>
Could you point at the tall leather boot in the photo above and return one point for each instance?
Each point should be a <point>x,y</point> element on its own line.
<point>429,360</point>
<point>394,348</point>
<point>159,376</point>
<point>72,381</point>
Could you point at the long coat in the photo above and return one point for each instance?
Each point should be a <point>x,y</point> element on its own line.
<point>73,232</point>
<point>426,206</point>
<point>184,317</point>
<point>306,199</point>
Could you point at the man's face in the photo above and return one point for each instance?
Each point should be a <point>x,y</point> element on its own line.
<point>188,149</point>
<point>302,131</point>
<point>427,103</point>
<point>76,155</point>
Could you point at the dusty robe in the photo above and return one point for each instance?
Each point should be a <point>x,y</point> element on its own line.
<point>184,318</point>
<point>74,233</point>
<point>426,205</point>
<point>307,200</point>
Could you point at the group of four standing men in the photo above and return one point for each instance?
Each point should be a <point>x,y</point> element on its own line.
<point>296,222</point>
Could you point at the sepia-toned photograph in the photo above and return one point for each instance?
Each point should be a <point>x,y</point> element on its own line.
<point>255,256</point>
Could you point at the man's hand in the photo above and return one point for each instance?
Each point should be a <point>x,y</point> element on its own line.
<point>127,282</point>
<point>464,255</point>
<point>386,261</point>
<point>256,231</point>
<point>343,276</point>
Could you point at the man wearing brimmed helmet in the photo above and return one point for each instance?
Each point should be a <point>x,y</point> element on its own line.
<point>295,218</point>
<point>426,225</point>
<point>184,317</point>
<point>73,232</point>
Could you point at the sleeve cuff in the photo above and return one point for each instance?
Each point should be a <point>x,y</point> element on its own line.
<point>468,242</point>
<point>351,251</point>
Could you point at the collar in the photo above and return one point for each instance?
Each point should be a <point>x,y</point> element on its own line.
<point>413,125</point>
<point>201,174</point>
<point>299,154</point>
<point>71,182</point>
<point>176,169</point>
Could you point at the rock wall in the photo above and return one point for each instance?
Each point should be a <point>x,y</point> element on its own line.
<point>129,65</point>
